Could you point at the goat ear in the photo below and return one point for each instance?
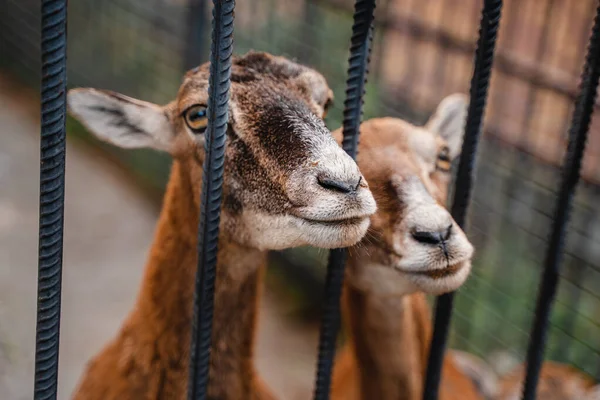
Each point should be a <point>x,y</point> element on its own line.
<point>121,120</point>
<point>448,121</point>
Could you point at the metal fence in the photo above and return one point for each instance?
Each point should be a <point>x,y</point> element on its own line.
<point>521,156</point>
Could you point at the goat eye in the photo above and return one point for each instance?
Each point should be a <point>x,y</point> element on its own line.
<point>443,161</point>
<point>196,119</point>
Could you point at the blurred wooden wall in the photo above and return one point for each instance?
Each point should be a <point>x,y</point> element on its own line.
<point>427,54</point>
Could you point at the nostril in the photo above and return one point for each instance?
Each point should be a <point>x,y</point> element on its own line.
<point>428,237</point>
<point>338,185</point>
<point>432,237</point>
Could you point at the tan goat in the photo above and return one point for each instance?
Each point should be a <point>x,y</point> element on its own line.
<point>413,247</point>
<point>287,183</point>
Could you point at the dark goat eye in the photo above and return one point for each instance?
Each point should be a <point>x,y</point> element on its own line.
<point>443,161</point>
<point>196,118</point>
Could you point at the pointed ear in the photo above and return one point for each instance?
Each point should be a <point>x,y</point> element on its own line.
<point>121,120</point>
<point>448,121</point>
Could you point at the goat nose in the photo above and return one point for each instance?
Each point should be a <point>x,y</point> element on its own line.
<point>432,237</point>
<point>342,186</point>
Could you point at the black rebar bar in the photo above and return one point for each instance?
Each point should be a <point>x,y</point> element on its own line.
<point>484,57</point>
<point>52,193</point>
<point>582,115</point>
<point>210,203</point>
<point>358,68</point>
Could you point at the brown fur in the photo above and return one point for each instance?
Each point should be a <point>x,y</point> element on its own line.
<point>386,355</point>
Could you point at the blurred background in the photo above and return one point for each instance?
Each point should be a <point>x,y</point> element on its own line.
<point>423,51</point>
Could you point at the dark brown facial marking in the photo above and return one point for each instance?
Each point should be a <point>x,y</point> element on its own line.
<point>278,126</point>
<point>232,203</point>
<point>246,168</point>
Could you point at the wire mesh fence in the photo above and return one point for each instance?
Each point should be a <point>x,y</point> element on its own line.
<point>422,51</point>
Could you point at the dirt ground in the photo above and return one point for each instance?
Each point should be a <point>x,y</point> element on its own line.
<point>108,230</point>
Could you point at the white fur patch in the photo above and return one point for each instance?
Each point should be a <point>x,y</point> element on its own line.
<point>278,232</point>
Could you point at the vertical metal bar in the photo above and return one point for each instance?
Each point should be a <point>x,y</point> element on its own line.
<point>358,69</point>
<point>582,115</point>
<point>330,322</point>
<point>360,49</point>
<point>52,193</point>
<point>580,43</point>
<point>502,102</point>
<point>210,203</point>
<point>484,57</point>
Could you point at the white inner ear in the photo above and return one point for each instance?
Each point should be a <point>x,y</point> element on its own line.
<point>121,120</point>
<point>448,121</point>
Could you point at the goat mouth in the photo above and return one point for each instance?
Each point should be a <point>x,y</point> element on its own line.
<point>336,222</point>
<point>440,273</point>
